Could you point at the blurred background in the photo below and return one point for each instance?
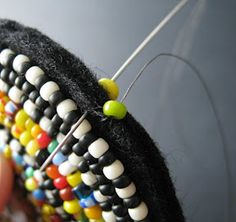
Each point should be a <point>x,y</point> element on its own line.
<point>168,100</point>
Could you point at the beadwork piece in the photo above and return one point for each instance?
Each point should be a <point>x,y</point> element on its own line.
<point>85,181</point>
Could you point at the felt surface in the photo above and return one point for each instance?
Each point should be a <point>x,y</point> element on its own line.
<point>128,140</point>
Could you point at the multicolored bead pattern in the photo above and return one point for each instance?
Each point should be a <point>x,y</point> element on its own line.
<point>85,181</point>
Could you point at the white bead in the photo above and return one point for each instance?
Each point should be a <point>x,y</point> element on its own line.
<point>49,194</point>
<point>48,89</point>
<point>99,196</point>
<point>15,94</point>
<point>33,73</point>
<point>114,170</point>
<point>127,191</point>
<point>4,87</point>
<point>18,61</point>
<point>38,176</point>
<point>108,216</point>
<point>83,128</point>
<point>5,53</point>
<point>60,137</point>
<point>60,210</point>
<point>98,148</point>
<point>65,106</point>
<point>88,178</point>
<point>74,159</point>
<point>4,137</point>
<point>15,145</point>
<point>66,168</point>
<point>29,106</point>
<point>45,123</point>
<point>138,213</point>
<point>29,160</point>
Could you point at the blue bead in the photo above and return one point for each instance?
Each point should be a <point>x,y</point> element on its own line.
<point>39,194</point>
<point>81,191</point>
<point>59,158</point>
<point>18,159</point>
<point>88,201</point>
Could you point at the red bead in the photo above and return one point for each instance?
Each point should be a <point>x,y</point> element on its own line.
<point>60,183</point>
<point>55,218</point>
<point>52,171</point>
<point>43,140</point>
<point>66,194</point>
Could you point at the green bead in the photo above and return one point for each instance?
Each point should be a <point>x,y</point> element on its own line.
<point>52,146</point>
<point>29,172</point>
<point>115,109</point>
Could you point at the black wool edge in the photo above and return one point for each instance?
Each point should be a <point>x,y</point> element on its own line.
<point>127,138</point>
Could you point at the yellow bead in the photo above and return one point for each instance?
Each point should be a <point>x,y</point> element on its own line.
<point>29,123</point>
<point>94,212</point>
<point>7,122</point>
<point>32,147</point>
<point>110,87</point>
<point>31,184</point>
<point>7,152</point>
<point>20,118</point>
<point>16,131</point>
<point>47,209</point>
<point>3,102</point>
<point>36,130</point>
<point>74,179</point>
<point>2,118</point>
<point>72,206</point>
<point>25,137</point>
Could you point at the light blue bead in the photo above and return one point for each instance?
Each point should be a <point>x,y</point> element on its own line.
<point>59,158</point>
<point>88,201</point>
<point>18,159</point>
<point>39,194</point>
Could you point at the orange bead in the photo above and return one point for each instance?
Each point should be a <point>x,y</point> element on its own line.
<point>52,171</point>
<point>36,130</point>
<point>16,131</point>
<point>94,212</point>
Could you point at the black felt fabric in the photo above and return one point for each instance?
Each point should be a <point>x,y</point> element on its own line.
<point>129,141</point>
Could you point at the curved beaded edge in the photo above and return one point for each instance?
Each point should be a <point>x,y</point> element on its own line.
<point>79,161</point>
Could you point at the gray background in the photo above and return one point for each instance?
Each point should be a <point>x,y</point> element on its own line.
<point>168,99</point>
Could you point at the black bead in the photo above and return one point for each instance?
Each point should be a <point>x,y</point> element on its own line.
<point>94,186</point>
<point>66,149</point>
<point>107,159</point>
<point>107,189</point>
<point>44,175</point>
<point>125,218</point>
<point>48,184</point>
<point>4,75</point>
<point>40,81</point>
<point>71,117</point>
<point>90,159</point>
<point>96,168</point>
<point>12,77</point>
<point>27,87</point>
<point>34,95</point>
<point>21,151</point>
<point>19,81</point>
<point>49,112</point>
<point>55,202</point>
<point>119,210</point>
<point>23,67</point>
<point>82,146</point>
<point>56,98</point>
<point>52,131</point>
<point>56,121</point>
<point>102,179</point>
<point>115,199</point>
<point>36,115</point>
<point>145,220</point>
<point>83,166</point>
<point>106,206</point>
<point>23,99</point>
<point>66,217</point>
<point>41,103</point>
<point>122,181</point>
<point>41,156</point>
<point>132,202</point>
<point>64,128</point>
